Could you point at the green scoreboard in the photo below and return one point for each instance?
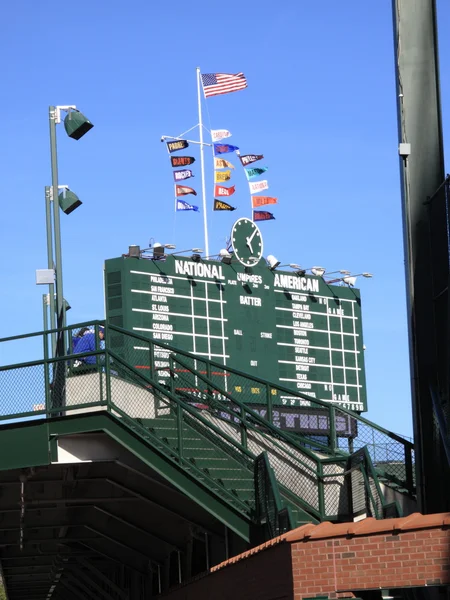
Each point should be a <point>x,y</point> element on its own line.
<point>288,328</point>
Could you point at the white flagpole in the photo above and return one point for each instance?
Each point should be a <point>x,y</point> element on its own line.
<point>202,163</point>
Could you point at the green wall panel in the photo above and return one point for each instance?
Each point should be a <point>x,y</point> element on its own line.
<point>298,331</point>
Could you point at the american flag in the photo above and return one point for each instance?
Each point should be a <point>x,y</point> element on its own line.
<point>223,83</point>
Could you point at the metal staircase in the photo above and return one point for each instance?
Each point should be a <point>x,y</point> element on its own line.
<point>231,433</point>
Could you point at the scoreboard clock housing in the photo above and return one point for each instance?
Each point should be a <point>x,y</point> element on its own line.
<point>288,328</point>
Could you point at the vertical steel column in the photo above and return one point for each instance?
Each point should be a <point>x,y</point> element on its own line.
<point>60,306</point>
<point>425,233</point>
<point>50,263</point>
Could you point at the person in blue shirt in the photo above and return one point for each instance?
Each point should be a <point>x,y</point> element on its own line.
<point>87,343</point>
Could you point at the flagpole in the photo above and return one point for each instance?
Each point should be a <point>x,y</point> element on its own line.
<point>202,163</point>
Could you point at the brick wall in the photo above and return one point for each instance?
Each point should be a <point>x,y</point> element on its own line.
<point>333,560</point>
<point>415,558</point>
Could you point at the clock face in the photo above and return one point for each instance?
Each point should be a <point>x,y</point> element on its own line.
<point>247,242</point>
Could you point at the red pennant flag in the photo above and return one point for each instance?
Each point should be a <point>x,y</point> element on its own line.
<point>182,161</point>
<point>220,190</point>
<point>262,215</point>
<point>262,200</point>
<point>183,190</point>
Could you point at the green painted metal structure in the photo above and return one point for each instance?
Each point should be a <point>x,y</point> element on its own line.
<point>302,330</point>
<point>80,441</point>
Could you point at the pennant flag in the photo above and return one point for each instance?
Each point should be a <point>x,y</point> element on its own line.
<point>182,205</point>
<point>258,186</point>
<point>182,161</point>
<point>246,159</point>
<point>181,175</point>
<point>255,172</point>
<point>220,205</point>
<point>219,190</point>
<point>215,84</point>
<point>262,200</point>
<point>183,190</point>
<point>222,176</point>
<point>262,215</point>
<point>177,145</point>
<point>221,163</point>
<point>224,148</point>
<point>219,134</point>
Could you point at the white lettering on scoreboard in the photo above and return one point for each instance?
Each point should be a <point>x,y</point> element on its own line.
<point>294,282</point>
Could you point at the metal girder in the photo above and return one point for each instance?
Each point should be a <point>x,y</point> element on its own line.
<point>425,225</point>
<point>74,590</point>
<point>144,532</point>
<point>102,577</point>
<point>88,577</point>
<point>119,560</point>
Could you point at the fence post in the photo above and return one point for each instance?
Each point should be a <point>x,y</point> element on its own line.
<point>321,489</point>
<point>107,370</point>
<point>333,441</point>
<point>46,376</point>
<point>269,404</point>
<point>409,468</point>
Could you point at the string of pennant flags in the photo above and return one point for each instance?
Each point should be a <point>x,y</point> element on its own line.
<point>216,84</point>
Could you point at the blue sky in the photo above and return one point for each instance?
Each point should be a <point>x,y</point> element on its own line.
<point>320,106</point>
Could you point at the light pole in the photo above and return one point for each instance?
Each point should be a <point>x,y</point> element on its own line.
<point>76,125</point>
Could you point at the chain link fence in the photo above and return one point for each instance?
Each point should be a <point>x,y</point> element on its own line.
<point>211,420</point>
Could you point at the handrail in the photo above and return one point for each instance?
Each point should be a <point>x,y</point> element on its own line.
<point>242,414</point>
<point>255,416</point>
<point>278,386</point>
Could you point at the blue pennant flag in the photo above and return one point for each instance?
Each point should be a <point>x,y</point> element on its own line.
<point>254,172</point>
<point>224,148</point>
<point>182,205</point>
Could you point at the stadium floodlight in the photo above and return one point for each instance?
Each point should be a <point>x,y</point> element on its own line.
<point>158,250</point>
<point>75,123</point>
<point>349,280</point>
<point>225,256</point>
<point>272,262</point>
<point>318,271</point>
<point>68,201</point>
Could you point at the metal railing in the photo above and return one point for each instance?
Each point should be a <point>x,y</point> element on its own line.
<point>170,398</point>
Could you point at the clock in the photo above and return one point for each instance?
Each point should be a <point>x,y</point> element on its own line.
<point>247,242</point>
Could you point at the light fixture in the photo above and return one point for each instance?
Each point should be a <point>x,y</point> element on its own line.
<point>68,201</point>
<point>349,280</point>
<point>170,246</point>
<point>134,251</point>
<point>273,262</point>
<point>76,124</point>
<point>158,250</point>
<point>225,256</point>
<point>342,271</point>
<point>318,271</point>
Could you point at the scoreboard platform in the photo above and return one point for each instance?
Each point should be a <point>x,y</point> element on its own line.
<point>291,328</point>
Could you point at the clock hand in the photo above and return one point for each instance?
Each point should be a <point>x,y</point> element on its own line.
<point>252,236</point>
<point>249,239</point>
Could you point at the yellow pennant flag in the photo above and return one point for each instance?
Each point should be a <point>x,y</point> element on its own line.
<point>222,176</point>
<point>221,163</point>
